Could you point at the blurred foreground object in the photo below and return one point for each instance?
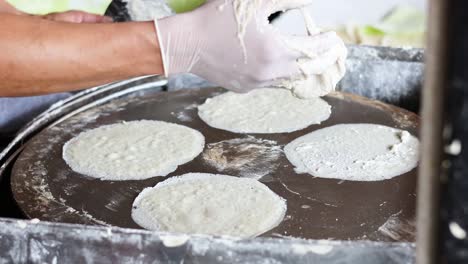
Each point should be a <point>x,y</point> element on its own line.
<point>42,7</point>
<point>145,10</point>
<point>404,26</point>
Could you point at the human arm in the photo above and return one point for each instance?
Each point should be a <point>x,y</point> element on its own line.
<point>72,16</point>
<point>5,7</point>
<point>232,44</point>
<point>206,42</point>
<point>38,56</point>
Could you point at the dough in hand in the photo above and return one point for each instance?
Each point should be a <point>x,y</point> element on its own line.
<point>133,150</point>
<point>266,110</point>
<point>355,152</point>
<point>211,204</point>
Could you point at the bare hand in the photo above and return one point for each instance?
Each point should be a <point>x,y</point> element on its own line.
<point>77,17</point>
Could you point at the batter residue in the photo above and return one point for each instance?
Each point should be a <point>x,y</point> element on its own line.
<point>244,157</point>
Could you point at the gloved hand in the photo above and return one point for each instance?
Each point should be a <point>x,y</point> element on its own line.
<point>232,44</point>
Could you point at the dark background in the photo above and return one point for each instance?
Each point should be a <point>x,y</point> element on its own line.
<point>455,188</point>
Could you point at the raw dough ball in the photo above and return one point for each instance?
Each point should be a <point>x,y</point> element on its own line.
<point>133,150</point>
<point>355,152</point>
<point>198,203</point>
<point>265,110</point>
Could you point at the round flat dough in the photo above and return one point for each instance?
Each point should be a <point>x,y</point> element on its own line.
<point>198,203</point>
<point>133,150</point>
<point>265,110</point>
<point>355,152</point>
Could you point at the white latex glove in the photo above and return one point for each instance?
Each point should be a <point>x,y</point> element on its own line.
<point>226,44</point>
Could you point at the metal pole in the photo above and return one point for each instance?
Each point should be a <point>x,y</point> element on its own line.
<point>436,75</point>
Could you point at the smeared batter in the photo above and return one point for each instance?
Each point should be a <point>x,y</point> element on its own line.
<point>247,157</point>
<point>355,152</point>
<point>133,151</point>
<point>265,110</point>
<point>210,204</point>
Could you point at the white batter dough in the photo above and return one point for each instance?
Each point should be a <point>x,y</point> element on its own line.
<point>320,84</point>
<point>306,85</point>
<point>133,151</point>
<point>198,203</point>
<point>265,110</point>
<point>355,152</point>
<point>245,11</point>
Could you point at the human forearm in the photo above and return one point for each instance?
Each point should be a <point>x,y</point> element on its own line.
<point>5,7</point>
<point>231,43</point>
<point>39,56</point>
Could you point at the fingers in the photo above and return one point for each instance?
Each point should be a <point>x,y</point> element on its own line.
<point>90,18</point>
<point>78,17</point>
<point>284,5</point>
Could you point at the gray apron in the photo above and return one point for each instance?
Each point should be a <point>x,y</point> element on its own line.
<point>15,112</point>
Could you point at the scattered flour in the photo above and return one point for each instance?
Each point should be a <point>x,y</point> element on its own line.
<point>398,229</point>
<point>186,114</point>
<point>174,240</point>
<point>316,249</point>
<point>244,157</point>
<point>457,231</point>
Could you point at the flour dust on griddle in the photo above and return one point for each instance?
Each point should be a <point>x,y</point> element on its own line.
<point>247,157</point>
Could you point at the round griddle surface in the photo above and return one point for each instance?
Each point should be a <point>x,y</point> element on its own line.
<point>46,188</point>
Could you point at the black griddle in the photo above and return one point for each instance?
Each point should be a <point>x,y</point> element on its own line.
<point>46,188</point>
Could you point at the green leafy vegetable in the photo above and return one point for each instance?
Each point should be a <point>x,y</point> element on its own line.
<point>181,6</point>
